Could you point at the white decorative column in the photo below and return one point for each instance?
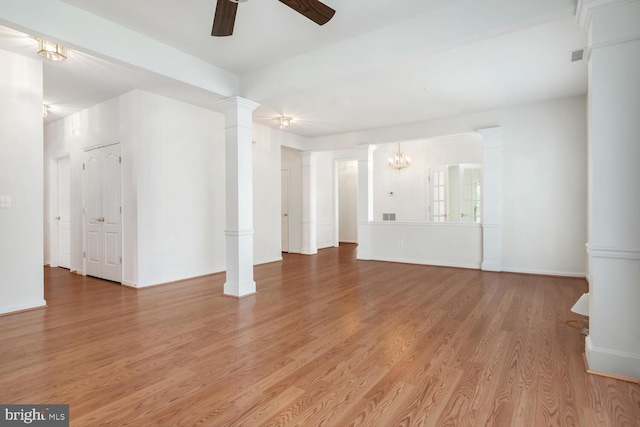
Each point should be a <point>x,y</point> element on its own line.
<point>239,196</point>
<point>491,170</point>
<point>364,155</point>
<point>613,344</point>
<point>309,209</point>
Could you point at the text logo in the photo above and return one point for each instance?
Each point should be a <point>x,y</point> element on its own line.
<point>34,415</point>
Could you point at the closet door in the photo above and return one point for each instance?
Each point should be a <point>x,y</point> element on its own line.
<point>103,216</point>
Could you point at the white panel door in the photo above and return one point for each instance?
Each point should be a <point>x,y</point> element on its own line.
<point>63,213</point>
<point>103,240</point>
<point>284,182</point>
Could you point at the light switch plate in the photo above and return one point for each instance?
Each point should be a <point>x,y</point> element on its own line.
<point>5,201</point>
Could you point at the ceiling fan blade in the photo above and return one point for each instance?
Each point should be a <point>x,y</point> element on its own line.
<point>224,18</point>
<point>315,10</point>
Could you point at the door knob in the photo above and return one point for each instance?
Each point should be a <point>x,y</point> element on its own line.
<point>58,218</point>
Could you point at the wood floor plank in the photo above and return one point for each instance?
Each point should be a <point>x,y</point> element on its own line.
<point>327,341</point>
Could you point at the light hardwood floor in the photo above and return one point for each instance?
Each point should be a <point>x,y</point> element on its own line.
<point>327,340</point>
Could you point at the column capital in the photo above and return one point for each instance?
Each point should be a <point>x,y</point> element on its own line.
<point>238,111</point>
<point>234,102</point>
<point>364,151</point>
<point>491,137</point>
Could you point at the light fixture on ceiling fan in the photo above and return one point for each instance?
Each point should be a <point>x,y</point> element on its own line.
<point>225,16</point>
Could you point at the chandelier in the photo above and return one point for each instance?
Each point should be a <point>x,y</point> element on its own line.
<point>285,122</point>
<point>399,161</point>
<point>52,51</point>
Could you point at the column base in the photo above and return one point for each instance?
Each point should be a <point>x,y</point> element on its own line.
<point>611,363</point>
<point>240,290</point>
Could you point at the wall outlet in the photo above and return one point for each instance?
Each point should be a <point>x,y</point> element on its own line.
<point>5,201</point>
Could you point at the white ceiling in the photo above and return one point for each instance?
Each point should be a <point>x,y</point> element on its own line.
<point>375,64</point>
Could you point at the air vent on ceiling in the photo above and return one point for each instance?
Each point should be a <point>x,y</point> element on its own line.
<point>577,55</point>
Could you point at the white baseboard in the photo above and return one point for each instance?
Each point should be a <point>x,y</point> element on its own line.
<point>268,261</point>
<point>544,272</point>
<point>7,309</point>
<point>491,266</point>
<point>427,262</point>
<point>612,362</point>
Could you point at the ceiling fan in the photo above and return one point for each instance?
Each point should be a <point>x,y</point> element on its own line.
<point>225,16</point>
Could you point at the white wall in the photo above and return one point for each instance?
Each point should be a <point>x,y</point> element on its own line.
<point>445,244</point>
<point>173,185</point>
<point>179,166</point>
<point>21,177</point>
<point>266,194</point>
<point>543,179</point>
<point>409,200</point>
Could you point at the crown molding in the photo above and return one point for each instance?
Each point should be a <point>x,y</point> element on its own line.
<point>586,9</point>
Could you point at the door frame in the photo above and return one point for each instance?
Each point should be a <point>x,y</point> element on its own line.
<point>84,211</point>
<point>53,194</point>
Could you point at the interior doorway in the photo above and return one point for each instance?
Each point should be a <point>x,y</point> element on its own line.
<point>347,201</point>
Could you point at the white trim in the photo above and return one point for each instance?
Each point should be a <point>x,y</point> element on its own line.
<point>612,252</point>
<point>232,101</point>
<point>611,361</point>
<point>491,266</point>
<point>424,224</point>
<point>22,307</point>
<point>484,225</point>
<point>268,261</point>
<point>586,8</point>
<point>613,42</point>
<point>239,233</point>
<point>571,274</point>
<point>426,262</point>
<point>129,284</point>
<point>99,145</point>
